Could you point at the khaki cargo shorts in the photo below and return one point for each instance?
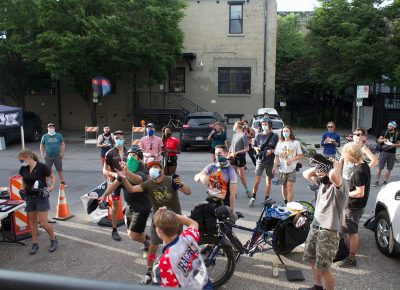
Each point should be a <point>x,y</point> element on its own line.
<point>321,247</point>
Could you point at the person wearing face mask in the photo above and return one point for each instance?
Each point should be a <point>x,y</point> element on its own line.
<point>287,153</point>
<point>359,187</point>
<point>237,154</point>
<point>138,205</point>
<point>52,148</point>
<point>112,164</point>
<point>151,144</point>
<point>264,144</point>
<point>171,148</point>
<point>220,179</point>
<point>34,174</point>
<point>323,238</point>
<point>105,142</point>
<point>330,141</point>
<point>387,144</point>
<point>250,134</point>
<point>162,191</point>
<point>217,137</point>
<point>359,139</point>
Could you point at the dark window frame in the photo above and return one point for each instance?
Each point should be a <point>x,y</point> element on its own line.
<point>231,19</point>
<point>179,82</point>
<point>231,83</point>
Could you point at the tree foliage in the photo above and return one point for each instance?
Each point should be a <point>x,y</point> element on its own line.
<point>80,39</point>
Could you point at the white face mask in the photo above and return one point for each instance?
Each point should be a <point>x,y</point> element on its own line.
<point>265,128</point>
<point>154,173</point>
<point>51,132</point>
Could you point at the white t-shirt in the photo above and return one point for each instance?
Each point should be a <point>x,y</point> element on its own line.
<point>287,150</point>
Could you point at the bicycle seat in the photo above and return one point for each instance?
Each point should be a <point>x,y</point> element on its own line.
<point>313,187</point>
<point>239,215</point>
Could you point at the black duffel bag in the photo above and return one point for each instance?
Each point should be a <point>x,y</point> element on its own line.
<point>204,215</point>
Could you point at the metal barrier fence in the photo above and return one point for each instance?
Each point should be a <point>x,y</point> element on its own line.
<point>13,280</point>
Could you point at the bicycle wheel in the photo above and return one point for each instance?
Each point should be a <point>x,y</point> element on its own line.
<point>220,263</point>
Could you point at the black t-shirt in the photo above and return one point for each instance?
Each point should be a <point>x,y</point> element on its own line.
<point>138,201</point>
<point>39,172</point>
<point>361,177</point>
<point>392,137</point>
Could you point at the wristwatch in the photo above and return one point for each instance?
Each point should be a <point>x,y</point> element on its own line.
<point>181,185</point>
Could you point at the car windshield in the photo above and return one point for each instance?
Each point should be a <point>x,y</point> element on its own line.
<point>200,121</point>
<point>275,124</point>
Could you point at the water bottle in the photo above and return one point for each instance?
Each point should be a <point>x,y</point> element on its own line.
<point>275,270</point>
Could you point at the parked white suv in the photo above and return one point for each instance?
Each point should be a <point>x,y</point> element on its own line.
<point>386,225</point>
<point>277,122</point>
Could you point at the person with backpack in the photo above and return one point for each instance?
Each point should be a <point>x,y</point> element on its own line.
<point>387,144</point>
<point>180,264</point>
<point>105,142</point>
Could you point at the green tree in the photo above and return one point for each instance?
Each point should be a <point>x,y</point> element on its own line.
<point>393,56</point>
<point>349,40</point>
<point>77,40</point>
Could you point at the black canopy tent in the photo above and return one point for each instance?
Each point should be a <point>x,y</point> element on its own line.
<point>12,117</point>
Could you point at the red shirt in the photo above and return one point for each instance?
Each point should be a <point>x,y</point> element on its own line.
<point>168,278</point>
<point>171,143</point>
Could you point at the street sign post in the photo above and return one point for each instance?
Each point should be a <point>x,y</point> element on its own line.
<point>362,93</point>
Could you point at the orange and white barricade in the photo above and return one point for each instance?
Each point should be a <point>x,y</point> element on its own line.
<point>21,226</point>
<point>137,133</point>
<point>91,135</point>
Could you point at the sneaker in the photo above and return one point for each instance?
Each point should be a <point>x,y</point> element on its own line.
<point>145,249</point>
<point>384,182</point>
<point>146,279</point>
<point>347,263</point>
<point>35,248</point>
<point>53,245</point>
<point>252,201</point>
<point>63,183</point>
<point>249,194</point>
<point>115,235</point>
<point>310,288</point>
<point>376,184</point>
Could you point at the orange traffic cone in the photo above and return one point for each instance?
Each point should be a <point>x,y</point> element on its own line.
<point>62,212</point>
<point>120,214</point>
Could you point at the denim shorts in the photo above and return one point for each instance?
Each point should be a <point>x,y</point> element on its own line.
<point>34,204</point>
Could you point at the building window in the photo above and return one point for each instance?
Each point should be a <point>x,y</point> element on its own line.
<point>177,80</point>
<point>42,86</point>
<point>234,80</point>
<point>235,18</point>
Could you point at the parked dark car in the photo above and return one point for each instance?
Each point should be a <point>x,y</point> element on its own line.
<point>32,128</point>
<point>197,127</point>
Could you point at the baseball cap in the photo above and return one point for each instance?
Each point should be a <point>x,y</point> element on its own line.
<point>152,162</point>
<point>392,123</point>
<point>150,125</point>
<point>119,132</point>
<point>265,120</point>
<point>50,125</point>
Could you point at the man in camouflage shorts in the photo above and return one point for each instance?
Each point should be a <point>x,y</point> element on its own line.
<point>323,239</point>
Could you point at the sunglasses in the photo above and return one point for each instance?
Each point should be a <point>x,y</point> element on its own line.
<point>330,127</point>
<point>357,134</point>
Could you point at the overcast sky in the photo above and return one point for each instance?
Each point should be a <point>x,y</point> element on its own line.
<point>301,5</point>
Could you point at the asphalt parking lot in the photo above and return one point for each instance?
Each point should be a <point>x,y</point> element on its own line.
<point>88,251</point>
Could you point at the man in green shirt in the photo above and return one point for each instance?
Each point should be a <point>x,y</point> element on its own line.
<point>162,191</point>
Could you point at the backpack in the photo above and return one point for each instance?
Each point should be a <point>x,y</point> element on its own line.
<point>204,214</point>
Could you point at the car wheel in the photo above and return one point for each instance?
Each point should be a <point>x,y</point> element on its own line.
<point>36,135</point>
<point>384,234</point>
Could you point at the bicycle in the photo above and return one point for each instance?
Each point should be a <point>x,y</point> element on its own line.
<point>175,123</point>
<point>268,234</point>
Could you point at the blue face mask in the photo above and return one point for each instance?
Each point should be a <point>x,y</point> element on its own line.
<point>119,142</point>
<point>150,132</point>
<point>154,173</point>
<point>286,134</point>
<point>23,163</point>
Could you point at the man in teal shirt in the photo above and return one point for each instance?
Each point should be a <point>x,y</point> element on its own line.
<point>52,148</point>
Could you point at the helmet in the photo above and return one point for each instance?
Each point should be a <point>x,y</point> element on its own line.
<point>136,149</point>
<point>92,205</point>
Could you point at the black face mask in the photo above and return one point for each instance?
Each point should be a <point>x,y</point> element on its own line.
<point>107,134</point>
<point>324,180</point>
<point>168,134</point>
